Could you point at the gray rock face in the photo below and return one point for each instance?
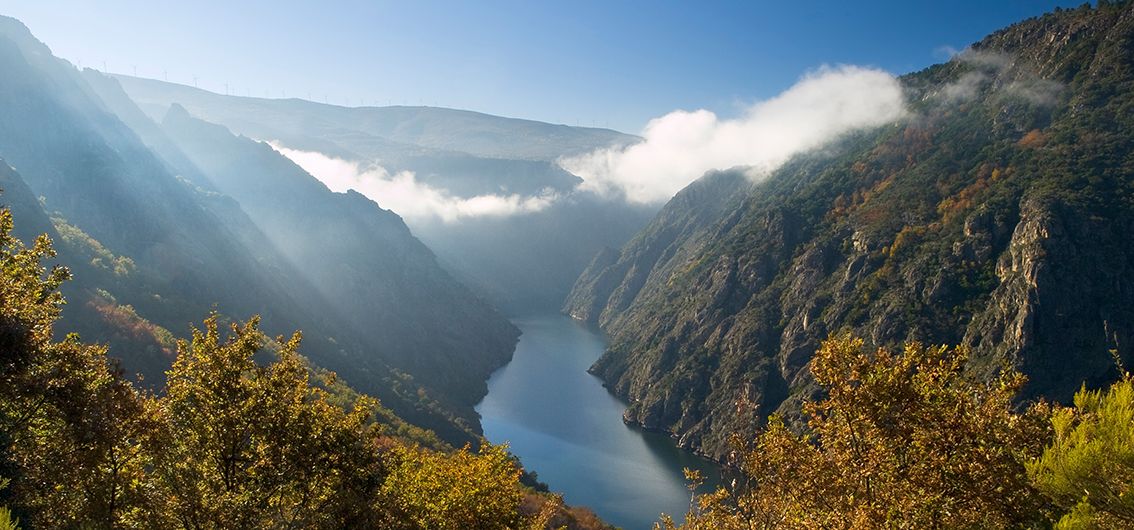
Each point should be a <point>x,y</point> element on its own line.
<point>1062,300</point>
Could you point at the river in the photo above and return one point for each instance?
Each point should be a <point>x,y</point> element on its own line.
<point>565,426</point>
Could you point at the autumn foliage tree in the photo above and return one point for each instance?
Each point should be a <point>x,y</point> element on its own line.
<point>453,492</point>
<point>256,446</point>
<point>71,429</point>
<point>233,442</point>
<point>898,441</point>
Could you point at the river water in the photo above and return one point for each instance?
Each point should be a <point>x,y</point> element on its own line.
<point>567,428</point>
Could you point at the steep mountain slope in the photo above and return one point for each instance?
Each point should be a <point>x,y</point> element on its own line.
<point>91,312</point>
<point>94,172</point>
<point>996,215</point>
<point>522,262</point>
<point>16,196</point>
<point>155,246</point>
<point>384,282</point>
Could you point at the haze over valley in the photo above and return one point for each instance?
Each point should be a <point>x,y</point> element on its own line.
<point>844,267</point>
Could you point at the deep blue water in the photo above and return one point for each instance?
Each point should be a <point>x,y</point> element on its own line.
<point>567,428</point>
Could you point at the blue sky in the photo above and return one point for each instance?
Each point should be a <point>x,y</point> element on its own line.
<point>615,63</point>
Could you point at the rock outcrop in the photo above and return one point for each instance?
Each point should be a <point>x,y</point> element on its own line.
<point>996,215</point>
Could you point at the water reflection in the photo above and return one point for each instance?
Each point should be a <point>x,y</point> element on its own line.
<point>566,427</point>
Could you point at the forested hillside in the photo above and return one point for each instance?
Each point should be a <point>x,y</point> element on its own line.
<point>383,282</point>
<point>996,215</point>
<point>155,243</point>
<point>230,442</point>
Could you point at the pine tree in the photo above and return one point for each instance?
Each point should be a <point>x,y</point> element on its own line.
<point>1089,467</point>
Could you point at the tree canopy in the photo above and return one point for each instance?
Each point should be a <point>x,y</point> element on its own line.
<point>1089,468</point>
<point>231,443</point>
<point>898,441</point>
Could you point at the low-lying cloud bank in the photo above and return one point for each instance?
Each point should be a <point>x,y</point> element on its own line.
<point>404,195</point>
<point>681,146</point>
<point>676,149</point>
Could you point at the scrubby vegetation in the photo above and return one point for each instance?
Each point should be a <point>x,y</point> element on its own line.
<point>1088,471</point>
<point>909,441</point>
<point>90,248</point>
<point>229,443</point>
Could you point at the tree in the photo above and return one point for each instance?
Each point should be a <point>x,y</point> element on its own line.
<point>256,446</point>
<point>7,522</point>
<point>899,441</point>
<point>429,490</point>
<point>1089,468</point>
<point>71,428</point>
<point>233,443</point>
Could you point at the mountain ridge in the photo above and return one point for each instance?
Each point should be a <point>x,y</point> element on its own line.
<point>521,261</point>
<point>991,217</point>
<point>404,124</point>
<point>163,247</point>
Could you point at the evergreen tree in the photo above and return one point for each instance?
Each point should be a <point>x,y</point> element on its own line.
<point>1089,468</point>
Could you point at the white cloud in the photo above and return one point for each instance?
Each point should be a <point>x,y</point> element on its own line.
<point>964,88</point>
<point>403,194</point>
<point>1042,92</point>
<point>985,67</point>
<point>681,146</point>
<point>990,67</point>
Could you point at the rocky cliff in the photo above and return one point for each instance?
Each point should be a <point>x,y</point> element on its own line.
<point>997,214</point>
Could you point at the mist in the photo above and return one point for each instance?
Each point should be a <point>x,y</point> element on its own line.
<point>403,194</point>
<point>681,146</point>
<point>987,67</point>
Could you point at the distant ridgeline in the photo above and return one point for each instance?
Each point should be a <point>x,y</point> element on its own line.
<point>158,235</point>
<point>997,215</point>
<point>522,262</point>
<point>163,225</point>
